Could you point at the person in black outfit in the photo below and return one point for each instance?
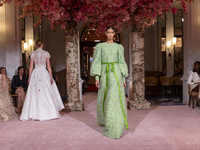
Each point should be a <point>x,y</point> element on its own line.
<point>19,87</point>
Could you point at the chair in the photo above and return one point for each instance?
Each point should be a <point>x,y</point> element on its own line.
<point>152,82</point>
<point>166,82</point>
<point>177,82</point>
<point>191,97</point>
<point>14,96</point>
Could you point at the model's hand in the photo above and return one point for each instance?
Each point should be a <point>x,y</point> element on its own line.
<point>124,84</point>
<point>51,80</point>
<point>97,83</point>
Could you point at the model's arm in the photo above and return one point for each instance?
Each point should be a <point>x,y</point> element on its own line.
<point>49,69</point>
<point>190,79</point>
<point>122,64</point>
<point>96,64</point>
<point>30,70</point>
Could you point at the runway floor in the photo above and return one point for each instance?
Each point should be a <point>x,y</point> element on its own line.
<point>160,128</point>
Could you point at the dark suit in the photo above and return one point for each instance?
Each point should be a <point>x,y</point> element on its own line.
<point>16,82</point>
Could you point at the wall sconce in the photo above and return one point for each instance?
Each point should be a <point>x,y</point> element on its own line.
<point>30,41</point>
<point>25,46</point>
<point>169,44</point>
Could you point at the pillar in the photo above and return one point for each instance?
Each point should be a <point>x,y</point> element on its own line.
<point>138,70</point>
<point>72,67</point>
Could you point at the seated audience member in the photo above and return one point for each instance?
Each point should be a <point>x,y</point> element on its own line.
<point>194,79</point>
<point>19,87</point>
<point>7,111</point>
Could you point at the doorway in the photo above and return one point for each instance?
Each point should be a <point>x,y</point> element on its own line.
<point>88,40</point>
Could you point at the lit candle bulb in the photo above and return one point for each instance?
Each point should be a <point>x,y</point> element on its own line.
<point>174,41</point>
<point>168,44</point>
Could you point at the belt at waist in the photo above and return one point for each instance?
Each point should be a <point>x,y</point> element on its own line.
<point>107,73</point>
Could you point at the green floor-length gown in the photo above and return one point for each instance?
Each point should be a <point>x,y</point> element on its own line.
<point>109,65</point>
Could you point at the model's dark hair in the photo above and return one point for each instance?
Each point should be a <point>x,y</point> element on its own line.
<point>110,27</point>
<point>39,42</point>
<point>194,70</point>
<point>20,67</point>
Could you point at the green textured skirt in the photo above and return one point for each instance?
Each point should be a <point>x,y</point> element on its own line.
<point>111,101</point>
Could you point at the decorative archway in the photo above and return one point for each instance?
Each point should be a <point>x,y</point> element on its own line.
<point>88,40</point>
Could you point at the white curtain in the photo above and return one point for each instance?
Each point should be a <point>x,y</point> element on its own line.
<point>10,42</point>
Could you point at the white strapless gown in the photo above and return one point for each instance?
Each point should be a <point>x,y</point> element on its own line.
<point>43,100</point>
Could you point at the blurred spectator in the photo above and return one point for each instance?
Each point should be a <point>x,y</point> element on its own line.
<point>19,87</point>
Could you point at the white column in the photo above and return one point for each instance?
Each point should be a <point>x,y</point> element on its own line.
<point>130,78</point>
<point>169,36</point>
<point>186,52</point>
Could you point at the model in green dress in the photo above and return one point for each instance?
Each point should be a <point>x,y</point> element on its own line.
<point>109,65</point>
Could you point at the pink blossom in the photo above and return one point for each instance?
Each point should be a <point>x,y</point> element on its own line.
<point>97,13</point>
<point>174,10</point>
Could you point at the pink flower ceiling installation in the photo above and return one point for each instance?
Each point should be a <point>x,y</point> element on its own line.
<point>97,13</point>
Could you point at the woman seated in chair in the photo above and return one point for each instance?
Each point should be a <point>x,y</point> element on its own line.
<point>19,87</point>
<point>7,111</point>
<point>194,79</point>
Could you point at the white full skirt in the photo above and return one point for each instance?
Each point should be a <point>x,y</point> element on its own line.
<point>43,100</point>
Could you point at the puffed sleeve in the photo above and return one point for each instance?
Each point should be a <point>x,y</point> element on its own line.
<point>190,79</point>
<point>96,64</point>
<point>47,55</point>
<point>32,55</point>
<point>122,64</point>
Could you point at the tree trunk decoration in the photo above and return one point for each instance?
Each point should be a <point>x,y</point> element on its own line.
<point>72,74</point>
<point>138,71</point>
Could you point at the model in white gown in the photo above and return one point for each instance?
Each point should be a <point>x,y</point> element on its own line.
<point>43,101</point>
